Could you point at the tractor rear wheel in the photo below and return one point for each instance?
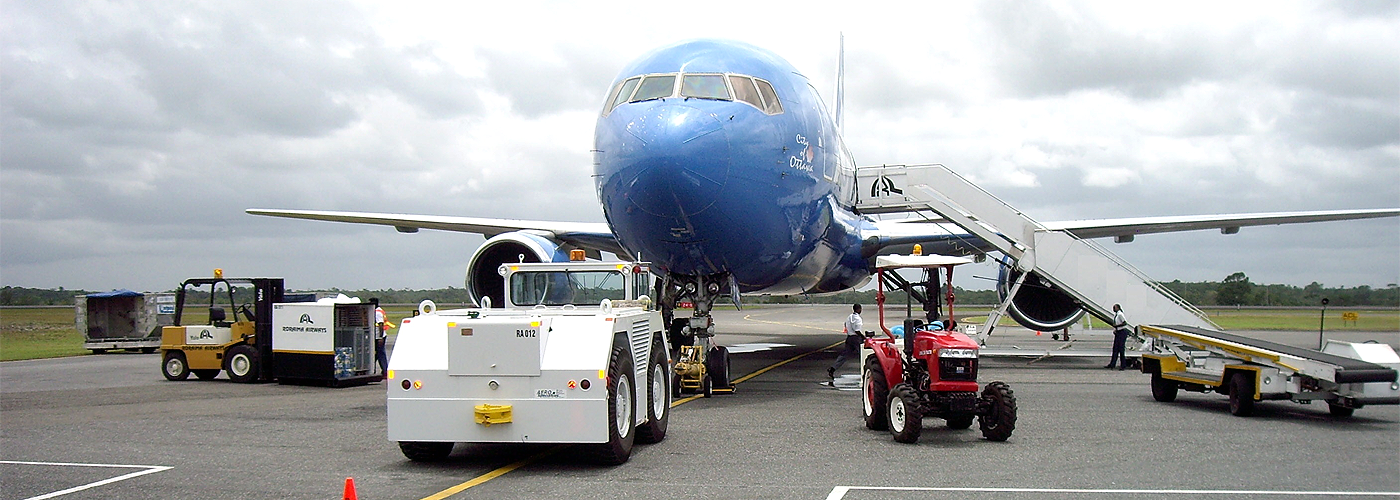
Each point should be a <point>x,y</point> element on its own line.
<point>242,363</point>
<point>621,404</point>
<point>1163,389</point>
<point>1241,395</point>
<point>174,366</point>
<point>425,451</point>
<point>1000,418</point>
<point>658,397</point>
<point>905,420</point>
<point>877,393</point>
<point>960,421</point>
<point>206,374</point>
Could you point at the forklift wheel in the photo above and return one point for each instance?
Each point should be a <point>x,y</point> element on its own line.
<point>242,363</point>
<point>174,367</point>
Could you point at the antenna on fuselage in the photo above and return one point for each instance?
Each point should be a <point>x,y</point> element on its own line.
<point>840,117</point>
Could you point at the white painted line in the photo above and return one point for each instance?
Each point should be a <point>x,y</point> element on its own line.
<point>148,470</point>
<point>839,492</point>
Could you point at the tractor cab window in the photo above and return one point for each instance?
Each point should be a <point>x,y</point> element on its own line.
<point>557,288</point>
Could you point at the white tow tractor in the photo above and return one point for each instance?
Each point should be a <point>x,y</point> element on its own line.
<point>577,355</point>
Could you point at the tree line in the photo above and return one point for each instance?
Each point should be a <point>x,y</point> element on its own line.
<point>1235,290</point>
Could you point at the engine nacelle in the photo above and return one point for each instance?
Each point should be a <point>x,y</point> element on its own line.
<point>483,271</point>
<point>1038,305</point>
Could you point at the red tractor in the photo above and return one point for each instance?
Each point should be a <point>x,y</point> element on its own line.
<point>932,370</point>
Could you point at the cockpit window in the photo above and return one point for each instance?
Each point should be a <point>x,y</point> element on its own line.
<point>744,90</point>
<point>655,87</point>
<point>622,92</point>
<point>770,98</point>
<point>722,87</point>
<point>704,87</point>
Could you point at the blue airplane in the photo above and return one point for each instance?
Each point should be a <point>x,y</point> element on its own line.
<point>718,162</point>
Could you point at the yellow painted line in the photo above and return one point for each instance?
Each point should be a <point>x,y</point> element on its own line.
<point>532,459</point>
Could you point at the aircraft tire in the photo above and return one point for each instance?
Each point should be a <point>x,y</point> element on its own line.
<point>719,367</point>
<point>1163,390</point>
<point>242,363</point>
<point>658,397</point>
<point>906,422</point>
<point>876,392</point>
<point>621,405</point>
<point>706,386</point>
<point>1000,418</point>
<point>206,374</point>
<point>425,451</point>
<point>1241,395</point>
<point>174,366</point>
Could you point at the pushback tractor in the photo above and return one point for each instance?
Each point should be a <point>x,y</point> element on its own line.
<point>577,355</point>
<point>931,369</point>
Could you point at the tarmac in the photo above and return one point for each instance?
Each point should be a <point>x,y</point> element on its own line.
<point>111,426</point>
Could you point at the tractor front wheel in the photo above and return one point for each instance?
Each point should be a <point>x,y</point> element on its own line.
<point>1000,418</point>
<point>906,421</point>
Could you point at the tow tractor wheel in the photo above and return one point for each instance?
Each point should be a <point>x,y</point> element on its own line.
<point>1000,418</point>
<point>206,374</point>
<point>905,420</point>
<point>658,397</point>
<point>706,385</point>
<point>426,451</point>
<point>719,365</point>
<point>877,392</point>
<point>960,421</point>
<point>174,366</point>
<point>1163,389</point>
<point>1339,410</point>
<point>242,363</point>
<point>1241,395</point>
<point>620,406</point>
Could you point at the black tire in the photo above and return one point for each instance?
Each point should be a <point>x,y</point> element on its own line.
<point>425,451</point>
<point>174,367</point>
<point>621,410</point>
<point>658,397</point>
<point>906,421</point>
<point>99,351</point>
<point>206,374</point>
<point>1339,411</point>
<point>241,363</point>
<point>148,350</point>
<point>707,386</point>
<point>1241,395</point>
<point>960,421</point>
<point>1163,389</point>
<point>718,365</point>
<point>877,393</point>
<point>1000,418</point>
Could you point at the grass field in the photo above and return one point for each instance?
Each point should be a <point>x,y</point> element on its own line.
<point>43,332</point>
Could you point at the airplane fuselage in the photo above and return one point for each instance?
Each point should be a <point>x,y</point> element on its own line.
<point>701,172</point>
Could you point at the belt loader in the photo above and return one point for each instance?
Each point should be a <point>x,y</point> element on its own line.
<point>1344,374</point>
<point>577,355</point>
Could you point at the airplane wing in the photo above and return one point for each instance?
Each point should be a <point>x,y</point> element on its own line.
<point>591,235</point>
<point>906,232</point>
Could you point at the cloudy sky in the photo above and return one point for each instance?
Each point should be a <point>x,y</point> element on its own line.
<point>134,134</point>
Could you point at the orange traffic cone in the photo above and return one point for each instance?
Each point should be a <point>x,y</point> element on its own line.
<point>350,490</point>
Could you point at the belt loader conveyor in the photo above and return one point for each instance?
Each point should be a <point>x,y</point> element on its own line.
<point>1346,375</point>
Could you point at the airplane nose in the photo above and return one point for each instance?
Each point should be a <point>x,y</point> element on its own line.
<point>676,154</point>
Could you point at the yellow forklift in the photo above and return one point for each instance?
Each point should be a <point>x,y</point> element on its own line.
<point>240,345</point>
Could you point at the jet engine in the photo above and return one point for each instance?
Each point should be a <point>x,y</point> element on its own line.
<point>483,275</point>
<point>1038,305</point>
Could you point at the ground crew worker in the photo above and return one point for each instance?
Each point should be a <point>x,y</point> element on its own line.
<point>854,339</point>
<point>381,337</point>
<point>1120,339</point>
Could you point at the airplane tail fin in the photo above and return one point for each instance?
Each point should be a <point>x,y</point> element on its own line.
<point>840,118</point>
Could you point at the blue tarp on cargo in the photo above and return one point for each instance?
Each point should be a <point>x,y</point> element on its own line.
<point>114,294</point>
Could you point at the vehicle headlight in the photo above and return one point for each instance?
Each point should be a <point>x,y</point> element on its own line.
<point>957,353</point>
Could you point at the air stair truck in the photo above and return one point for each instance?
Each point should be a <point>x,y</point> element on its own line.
<point>577,355</point>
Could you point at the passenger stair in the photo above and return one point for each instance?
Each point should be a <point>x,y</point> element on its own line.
<point>1089,273</point>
